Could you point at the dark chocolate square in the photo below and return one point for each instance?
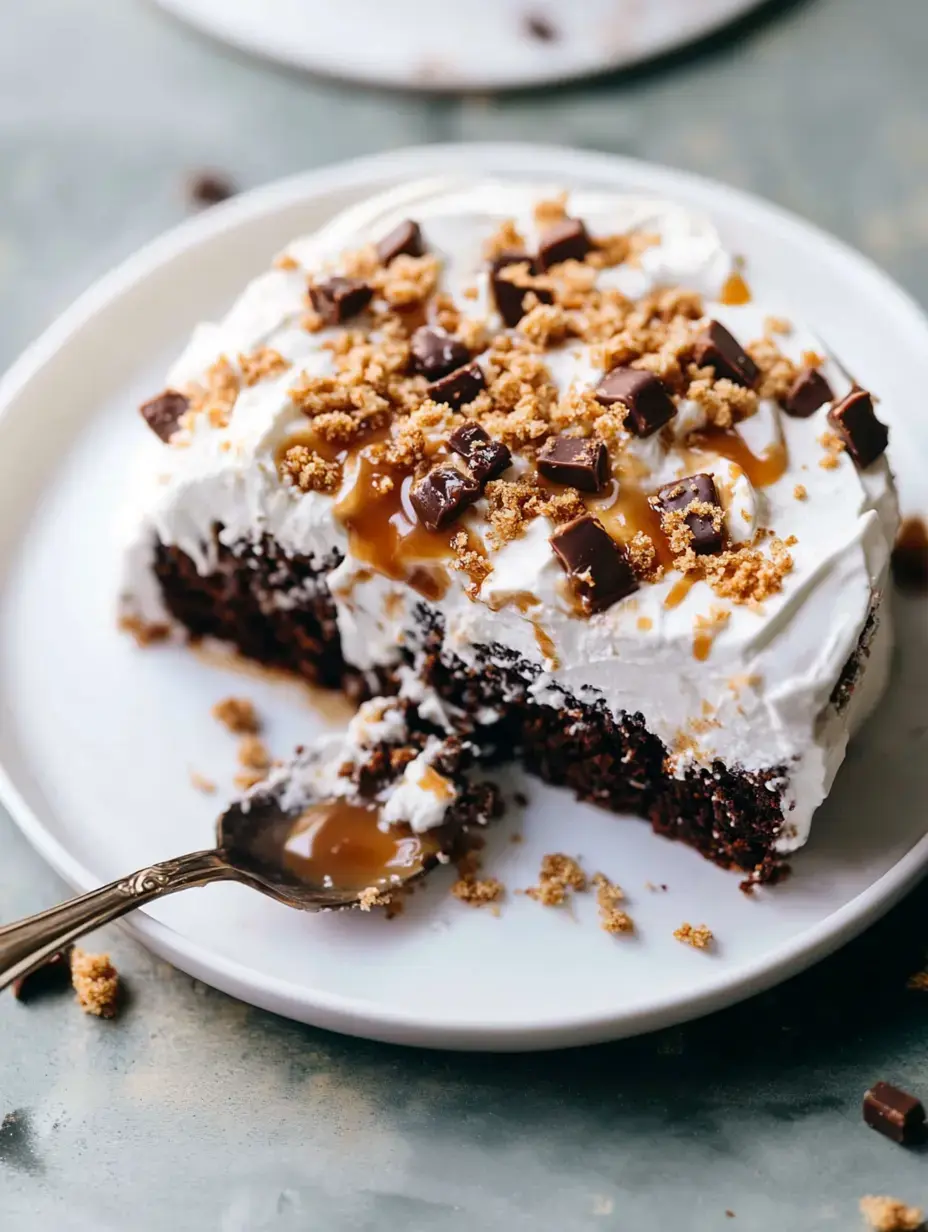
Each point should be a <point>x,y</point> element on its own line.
<point>404,240</point>
<point>894,1113</point>
<point>582,462</point>
<point>162,414</point>
<point>594,562</point>
<point>716,348</point>
<point>566,240</point>
<point>807,393</point>
<point>442,496</point>
<point>485,457</point>
<point>458,387</point>
<point>339,299</point>
<point>509,298</point>
<point>435,352</point>
<point>679,495</point>
<point>855,421</point>
<point>647,403</point>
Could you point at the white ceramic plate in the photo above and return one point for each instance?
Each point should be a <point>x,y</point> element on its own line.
<point>97,737</point>
<point>481,45</point>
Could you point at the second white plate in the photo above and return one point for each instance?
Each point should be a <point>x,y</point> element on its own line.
<point>97,738</point>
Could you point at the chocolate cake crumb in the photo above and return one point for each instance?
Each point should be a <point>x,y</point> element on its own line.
<point>608,896</point>
<point>558,876</point>
<point>699,937</point>
<point>96,982</point>
<point>540,28</point>
<point>885,1214</point>
<point>238,715</point>
<point>202,784</point>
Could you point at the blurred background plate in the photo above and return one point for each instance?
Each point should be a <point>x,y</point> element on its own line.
<point>480,45</point>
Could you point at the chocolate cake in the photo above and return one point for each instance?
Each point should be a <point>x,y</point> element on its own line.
<point>538,470</point>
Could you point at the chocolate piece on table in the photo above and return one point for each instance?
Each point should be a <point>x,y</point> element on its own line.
<point>717,348</point>
<point>582,462</point>
<point>895,1113</point>
<point>486,458</point>
<point>458,387</point>
<point>855,421</point>
<point>339,299</point>
<point>594,562</point>
<point>442,496</point>
<point>648,404</point>
<point>807,393</point>
<point>435,353</point>
<point>675,497</point>
<point>54,974</point>
<point>566,240</point>
<point>510,299</point>
<point>162,414</point>
<point>404,240</point>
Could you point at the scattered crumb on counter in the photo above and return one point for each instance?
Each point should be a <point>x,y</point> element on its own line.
<point>238,715</point>
<point>612,918</point>
<point>890,1215</point>
<point>516,838</point>
<point>649,885</point>
<point>559,874</point>
<point>202,783</point>
<point>729,1214</point>
<point>699,937</point>
<point>96,982</point>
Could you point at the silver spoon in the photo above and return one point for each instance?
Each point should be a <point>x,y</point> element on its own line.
<point>254,848</point>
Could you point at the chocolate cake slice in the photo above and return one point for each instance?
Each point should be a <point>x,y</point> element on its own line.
<point>524,467</point>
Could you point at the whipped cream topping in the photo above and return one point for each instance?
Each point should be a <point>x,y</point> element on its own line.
<point>756,696</point>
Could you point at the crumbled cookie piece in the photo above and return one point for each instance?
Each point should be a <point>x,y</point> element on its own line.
<point>613,919</point>
<point>238,715</point>
<point>202,784</point>
<point>309,471</point>
<point>215,395</point>
<point>834,447</point>
<point>478,891</point>
<point>800,492</point>
<point>96,982</point>
<point>885,1214</point>
<point>373,897</point>
<point>699,937</point>
<point>558,876</point>
<point>261,364</point>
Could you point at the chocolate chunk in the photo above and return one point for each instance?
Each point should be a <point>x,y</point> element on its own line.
<point>855,421</point>
<point>338,299</point>
<point>647,402</point>
<point>895,1113</point>
<point>706,529</point>
<point>717,348</point>
<point>485,457</point>
<point>595,563</point>
<point>52,975</point>
<point>509,298</point>
<point>442,496</point>
<point>807,393</point>
<point>404,240</point>
<point>210,188</point>
<point>162,414</point>
<point>582,462</point>
<point>566,240</point>
<point>436,353</point>
<point>458,387</point>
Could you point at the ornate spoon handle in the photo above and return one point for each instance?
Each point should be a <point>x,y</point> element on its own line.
<point>28,943</point>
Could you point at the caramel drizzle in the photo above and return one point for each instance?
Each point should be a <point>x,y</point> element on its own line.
<point>338,842</point>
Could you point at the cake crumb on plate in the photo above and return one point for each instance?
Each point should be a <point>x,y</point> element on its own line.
<point>202,783</point>
<point>612,919</point>
<point>559,874</point>
<point>96,982</point>
<point>237,715</point>
<point>699,937</point>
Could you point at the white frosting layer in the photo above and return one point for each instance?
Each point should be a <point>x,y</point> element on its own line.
<point>760,698</point>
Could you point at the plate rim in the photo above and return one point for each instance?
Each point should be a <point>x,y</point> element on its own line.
<point>274,50</point>
<point>354,1016</point>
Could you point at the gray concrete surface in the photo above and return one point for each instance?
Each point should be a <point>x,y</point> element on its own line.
<point>196,1112</point>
